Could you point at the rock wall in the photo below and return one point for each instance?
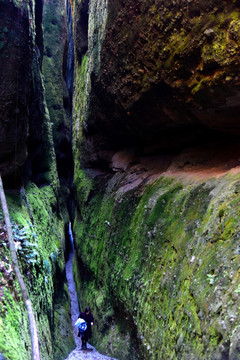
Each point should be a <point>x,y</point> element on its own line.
<point>156,170</point>
<point>38,229</point>
<point>160,266</point>
<point>26,134</point>
<point>163,74</point>
<point>37,203</point>
<point>16,59</point>
<point>55,56</point>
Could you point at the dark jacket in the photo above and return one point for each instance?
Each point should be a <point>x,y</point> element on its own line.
<point>88,318</point>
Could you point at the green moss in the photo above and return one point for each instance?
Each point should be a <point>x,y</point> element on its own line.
<point>235,15</point>
<point>146,256</point>
<point>35,220</point>
<point>154,263</point>
<point>14,333</point>
<point>79,102</point>
<point>84,184</point>
<point>197,87</point>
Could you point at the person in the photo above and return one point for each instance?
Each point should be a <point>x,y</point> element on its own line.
<point>87,334</point>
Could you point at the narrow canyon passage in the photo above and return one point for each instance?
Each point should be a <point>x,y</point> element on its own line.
<point>121,117</point>
<point>79,354</point>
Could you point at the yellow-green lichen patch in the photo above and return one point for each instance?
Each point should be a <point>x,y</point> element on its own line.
<point>169,263</point>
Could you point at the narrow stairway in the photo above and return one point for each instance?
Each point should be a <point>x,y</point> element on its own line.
<point>78,354</point>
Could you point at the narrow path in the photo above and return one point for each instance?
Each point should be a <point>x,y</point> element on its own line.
<point>78,354</point>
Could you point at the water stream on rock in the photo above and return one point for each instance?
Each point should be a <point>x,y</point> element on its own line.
<point>91,353</point>
<point>77,354</point>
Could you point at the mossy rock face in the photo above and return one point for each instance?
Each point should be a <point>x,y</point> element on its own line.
<point>38,230</point>
<point>160,268</point>
<point>38,213</point>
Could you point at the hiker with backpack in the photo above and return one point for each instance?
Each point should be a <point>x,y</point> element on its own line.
<point>85,330</point>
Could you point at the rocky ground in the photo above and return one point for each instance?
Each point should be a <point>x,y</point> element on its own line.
<point>91,353</point>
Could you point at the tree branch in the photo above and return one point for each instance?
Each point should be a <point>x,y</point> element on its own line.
<point>25,296</point>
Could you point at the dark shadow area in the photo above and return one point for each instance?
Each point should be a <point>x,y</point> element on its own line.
<point>158,124</point>
<point>81,28</point>
<point>38,22</point>
<point>126,326</point>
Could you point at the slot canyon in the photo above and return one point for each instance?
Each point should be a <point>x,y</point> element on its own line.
<point>120,161</point>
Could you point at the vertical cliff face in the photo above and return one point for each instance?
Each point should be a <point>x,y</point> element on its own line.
<point>16,59</point>
<point>55,58</point>
<point>26,132</point>
<point>156,170</point>
<point>28,165</point>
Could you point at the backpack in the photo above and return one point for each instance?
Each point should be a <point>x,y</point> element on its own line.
<point>81,324</point>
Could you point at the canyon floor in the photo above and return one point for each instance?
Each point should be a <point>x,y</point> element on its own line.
<point>77,354</point>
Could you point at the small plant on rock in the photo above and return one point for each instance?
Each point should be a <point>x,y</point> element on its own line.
<point>211,278</point>
<point>25,243</point>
